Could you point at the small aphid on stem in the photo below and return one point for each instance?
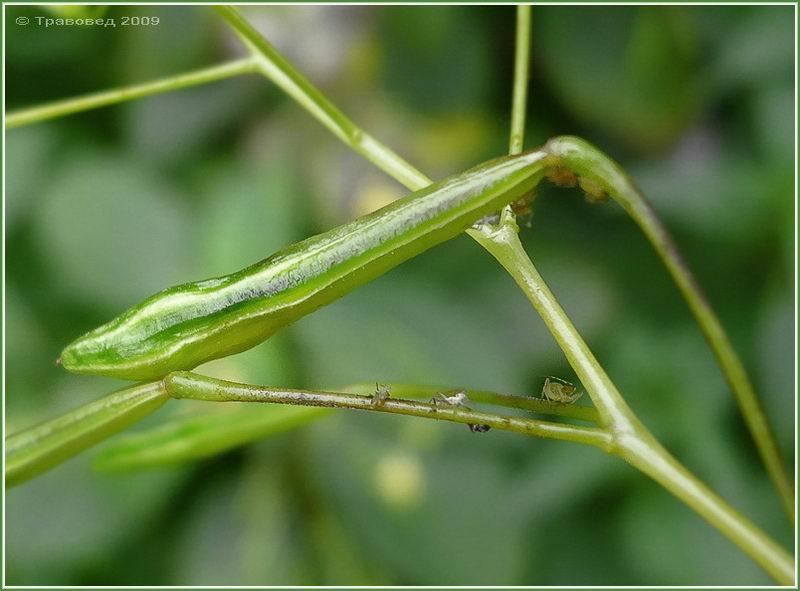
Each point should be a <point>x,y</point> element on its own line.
<point>523,209</point>
<point>459,399</point>
<point>381,395</point>
<point>488,220</point>
<point>559,391</point>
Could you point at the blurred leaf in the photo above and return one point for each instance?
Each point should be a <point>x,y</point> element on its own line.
<point>28,154</point>
<point>775,378</point>
<point>25,357</point>
<point>111,231</point>
<point>435,58</point>
<point>439,538</point>
<point>240,531</point>
<point>429,337</point>
<point>198,436</point>
<point>453,141</point>
<point>66,48</point>
<point>710,189</point>
<point>755,47</point>
<point>64,519</point>
<point>773,107</point>
<point>627,71</point>
<point>171,127</point>
<point>578,545</point>
<point>249,212</point>
<point>179,42</point>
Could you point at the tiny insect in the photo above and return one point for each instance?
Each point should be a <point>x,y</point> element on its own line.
<point>381,394</point>
<point>562,177</point>
<point>559,390</point>
<point>488,220</point>
<point>459,399</point>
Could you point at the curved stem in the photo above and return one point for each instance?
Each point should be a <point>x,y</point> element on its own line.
<point>632,441</point>
<point>196,387</point>
<point>597,181</point>
<point>503,243</point>
<point>36,450</point>
<point>127,93</point>
<point>732,367</point>
<point>647,455</point>
<point>519,99</point>
<point>600,176</point>
<point>270,63</point>
<point>278,69</point>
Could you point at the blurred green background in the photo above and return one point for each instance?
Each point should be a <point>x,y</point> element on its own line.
<point>107,207</point>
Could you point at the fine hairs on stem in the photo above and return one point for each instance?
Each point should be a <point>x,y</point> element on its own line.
<point>619,432</point>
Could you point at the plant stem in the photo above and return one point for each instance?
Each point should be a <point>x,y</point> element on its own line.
<point>278,69</point>
<point>118,95</point>
<point>521,73</point>
<point>537,405</point>
<point>732,367</point>
<point>632,441</point>
<point>502,245</point>
<point>647,455</point>
<point>197,387</point>
<point>270,63</point>
<point>626,438</point>
<point>507,249</point>
<point>35,450</point>
<point>607,177</point>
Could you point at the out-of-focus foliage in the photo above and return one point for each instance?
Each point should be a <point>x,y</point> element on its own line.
<point>106,207</point>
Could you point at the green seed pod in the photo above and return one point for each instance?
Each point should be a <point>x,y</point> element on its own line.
<point>187,325</point>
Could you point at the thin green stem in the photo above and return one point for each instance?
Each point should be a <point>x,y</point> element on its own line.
<point>732,367</point>
<point>281,72</point>
<point>537,405</point>
<point>127,93</point>
<point>188,438</point>
<point>197,387</point>
<point>597,183</point>
<point>270,63</point>
<point>278,69</point>
<point>503,242</point>
<point>36,450</point>
<point>519,100</point>
<point>600,176</point>
<point>647,455</point>
<point>632,441</point>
